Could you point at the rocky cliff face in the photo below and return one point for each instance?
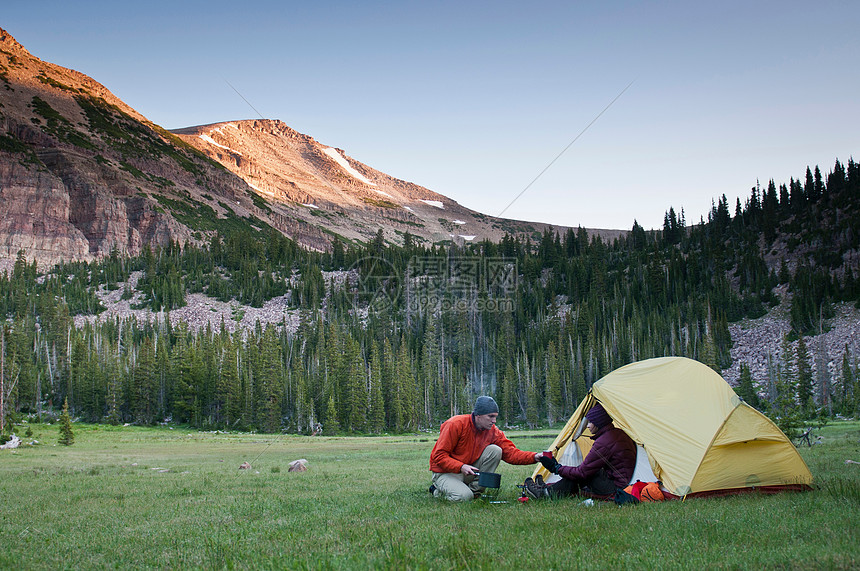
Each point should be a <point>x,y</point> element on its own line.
<point>36,208</point>
<point>82,173</point>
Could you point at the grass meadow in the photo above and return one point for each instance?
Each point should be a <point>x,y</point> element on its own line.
<point>139,498</point>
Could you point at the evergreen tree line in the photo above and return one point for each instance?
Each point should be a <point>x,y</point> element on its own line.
<point>792,394</point>
<point>415,331</point>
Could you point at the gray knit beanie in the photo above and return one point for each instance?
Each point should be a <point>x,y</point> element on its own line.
<point>485,405</point>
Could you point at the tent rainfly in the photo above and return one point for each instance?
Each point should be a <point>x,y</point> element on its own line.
<point>694,434</point>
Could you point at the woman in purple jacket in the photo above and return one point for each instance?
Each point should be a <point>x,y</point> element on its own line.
<point>607,466</point>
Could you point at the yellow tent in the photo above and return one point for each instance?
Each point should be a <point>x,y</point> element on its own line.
<point>699,436</point>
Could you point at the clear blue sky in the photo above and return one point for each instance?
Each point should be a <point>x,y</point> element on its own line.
<point>474,99</point>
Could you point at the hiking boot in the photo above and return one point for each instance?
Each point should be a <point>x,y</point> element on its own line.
<point>534,489</point>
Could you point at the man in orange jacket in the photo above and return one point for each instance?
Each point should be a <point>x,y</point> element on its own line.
<point>469,444</point>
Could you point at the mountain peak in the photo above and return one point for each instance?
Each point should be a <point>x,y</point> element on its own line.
<point>322,184</point>
<point>10,44</point>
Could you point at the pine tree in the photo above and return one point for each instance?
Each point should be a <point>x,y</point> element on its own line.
<point>164,380</point>
<point>403,402</point>
<point>530,393</point>
<point>76,368</point>
<point>305,417</point>
<point>331,424</point>
<point>376,412</point>
<point>819,185</point>
<point>785,405</point>
<point>335,369</point>
<point>230,388</point>
<point>356,386</point>
<point>855,390</point>
<point>553,385</point>
<point>579,387</point>
<point>848,392</point>
<point>2,378</point>
<point>825,394</point>
<point>269,375</point>
<point>746,389</point>
<point>508,396</point>
<point>708,352</point>
<point>805,381</point>
<point>113,414</point>
<point>208,375</point>
<point>184,387</point>
<point>144,384</point>
<point>809,187</point>
<point>430,372</point>
<point>67,436</point>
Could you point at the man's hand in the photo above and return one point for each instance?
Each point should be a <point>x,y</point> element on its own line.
<point>468,470</point>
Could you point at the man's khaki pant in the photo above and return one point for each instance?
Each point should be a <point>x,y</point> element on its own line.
<point>459,487</point>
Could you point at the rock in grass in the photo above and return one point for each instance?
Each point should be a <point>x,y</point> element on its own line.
<point>298,466</point>
<point>13,442</point>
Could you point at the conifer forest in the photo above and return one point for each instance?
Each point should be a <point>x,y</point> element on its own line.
<point>396,338</point>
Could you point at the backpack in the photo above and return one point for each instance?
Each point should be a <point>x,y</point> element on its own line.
<point>651,492</point>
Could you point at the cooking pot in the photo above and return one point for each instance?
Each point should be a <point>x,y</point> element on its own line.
<point>489,480</point>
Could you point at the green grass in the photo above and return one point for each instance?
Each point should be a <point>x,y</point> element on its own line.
<point>107,502</point>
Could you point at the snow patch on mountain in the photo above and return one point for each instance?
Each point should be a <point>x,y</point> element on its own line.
<point>258,189</point>
<point>436,203</point>
<point>338,158</point>
<point>211,141</point>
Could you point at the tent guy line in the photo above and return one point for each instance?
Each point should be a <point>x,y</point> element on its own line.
<point>243,98</point>
<point>564,150</point>
<point>535,179</point>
